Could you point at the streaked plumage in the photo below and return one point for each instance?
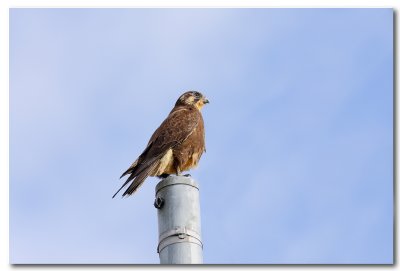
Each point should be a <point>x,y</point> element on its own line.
<point>175,146</point>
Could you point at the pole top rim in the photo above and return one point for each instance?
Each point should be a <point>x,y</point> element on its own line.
<point>173,180</point>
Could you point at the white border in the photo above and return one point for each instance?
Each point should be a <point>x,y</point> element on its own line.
<point>4,96</point>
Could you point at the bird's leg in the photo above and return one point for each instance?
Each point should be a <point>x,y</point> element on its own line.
<point>178,171</point>
<point>187,175</point>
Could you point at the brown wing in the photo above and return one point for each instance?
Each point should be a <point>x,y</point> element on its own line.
<point>178,126</point>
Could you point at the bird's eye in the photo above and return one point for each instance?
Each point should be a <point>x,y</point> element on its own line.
<point>196,94</point>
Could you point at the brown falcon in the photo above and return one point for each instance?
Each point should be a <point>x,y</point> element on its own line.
<point>175,146</point>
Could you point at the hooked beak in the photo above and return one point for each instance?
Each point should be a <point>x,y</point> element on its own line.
<point>206,101</point>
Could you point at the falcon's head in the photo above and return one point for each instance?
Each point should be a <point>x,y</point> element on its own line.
<point>192,98</point>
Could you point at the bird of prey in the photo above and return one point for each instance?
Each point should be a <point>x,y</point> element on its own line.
<point>175,146</point>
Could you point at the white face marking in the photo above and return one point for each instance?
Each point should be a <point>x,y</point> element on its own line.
<point>190,100</point>
<point>187,99</point>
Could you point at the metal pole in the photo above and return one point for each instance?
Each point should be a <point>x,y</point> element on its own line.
<point>179,231</point>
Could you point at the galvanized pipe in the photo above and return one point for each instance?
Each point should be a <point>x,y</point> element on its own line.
<point>179,231</point>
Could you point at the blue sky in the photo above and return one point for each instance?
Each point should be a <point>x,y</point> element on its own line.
<point>299,162</point>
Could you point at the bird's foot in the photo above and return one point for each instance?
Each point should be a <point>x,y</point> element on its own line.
<point>163,176</point>
<point>187,175</point>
